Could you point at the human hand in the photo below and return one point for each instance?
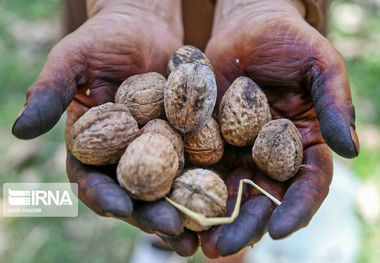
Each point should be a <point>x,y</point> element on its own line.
<point>305,80</point>
<point>120,39</point>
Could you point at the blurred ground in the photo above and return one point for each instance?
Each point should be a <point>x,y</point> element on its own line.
<point>29,28</point>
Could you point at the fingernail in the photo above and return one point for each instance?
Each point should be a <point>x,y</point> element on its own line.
<point>355,140</point>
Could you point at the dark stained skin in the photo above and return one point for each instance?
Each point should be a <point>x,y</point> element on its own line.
<point>301,73</point>
<point>305,80</point>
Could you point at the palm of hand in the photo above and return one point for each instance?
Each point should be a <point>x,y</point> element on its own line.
<point>286,60</point>
<point>109,52</point>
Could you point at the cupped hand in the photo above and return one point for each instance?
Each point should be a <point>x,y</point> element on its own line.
<point>305,80</point>
<point>120,39</point>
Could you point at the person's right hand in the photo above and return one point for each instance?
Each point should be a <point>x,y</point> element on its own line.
<point>121,39</point>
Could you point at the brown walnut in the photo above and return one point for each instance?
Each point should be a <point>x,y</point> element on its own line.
<point>190,96</point>
<point>244,109</point>
<point>206,146</point>
<point>187,54</point>
<point>101,135</point>
<point>278,149</point>
<point>148,166</point>
<point>201,191</point>
<point>163,127</point>
<point>143,94</point>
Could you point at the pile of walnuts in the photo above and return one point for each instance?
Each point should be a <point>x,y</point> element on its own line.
<point>157,127</point>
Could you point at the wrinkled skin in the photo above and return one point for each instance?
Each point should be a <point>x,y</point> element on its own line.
<point>305,80</point>
<point>303,76</point>
<point>119,41</point>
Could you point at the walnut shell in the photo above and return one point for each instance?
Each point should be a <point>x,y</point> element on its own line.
<point>163,127</point>
<point>101,135</point>
<point>202,191</point>
<point>206,146</point>
<point>144,96</point>
<point>147,167</point>
<point>190,96</point>
<point>244,109</point>
<point>278,149</point>
<point>187,54</point>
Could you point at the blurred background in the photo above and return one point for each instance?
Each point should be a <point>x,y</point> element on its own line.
<point>346,229</point>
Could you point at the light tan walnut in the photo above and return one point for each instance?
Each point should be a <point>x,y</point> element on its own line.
<point>278,149</point>
<point>163,127</point>
<point>244,109</point>
<point>201,191</point>
<point>190,96</point>
<point>143,94</point>
<point>206,146</point>
<point>148,166</point>
<point>187,54</point>
<point>101,135</point>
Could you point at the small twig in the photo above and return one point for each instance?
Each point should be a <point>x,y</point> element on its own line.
<point>210,221</point>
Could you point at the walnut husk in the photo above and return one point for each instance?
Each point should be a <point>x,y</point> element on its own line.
<point>100,136</point>
<point>190,96</point>
<point>148,166</point>
<point>206,146</point>
<point>202,191</point>
<point>278,149</point>
<point>163,127</point>
<point>187,54</point>
<point>143,94</point>
<point>244,109</point>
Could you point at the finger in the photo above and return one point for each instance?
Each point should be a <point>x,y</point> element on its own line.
<point>97,190</point>
<point>52,93</point>
<point>247,228</point>
<point>185,244</point>
<point>158,217</point>
<point>330,90</point>
<point>210,237</point>
<point>305,194</point>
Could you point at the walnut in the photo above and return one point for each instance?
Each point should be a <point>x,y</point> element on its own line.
<point>144,96</point>
<point>278,149</point>
<point>187,54</point>
<point>206,146</point>
<point>163,127</point>
<point>244,109</point>
<point>148,166</point>
<point>190,96</point>
<point>201,191</point>
<point>101,135</point>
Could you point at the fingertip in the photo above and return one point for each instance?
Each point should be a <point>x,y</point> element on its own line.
<point>338,134</point>
<point>158,217</point>
<point>185,244</point>
<point>113,201</point>
<point>282,222</point>
<point>97,190</point>
<point>248,227</point>
<point>41,113</point>
<point>209,239</point>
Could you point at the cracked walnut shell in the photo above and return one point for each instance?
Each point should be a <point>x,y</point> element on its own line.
<point>278,149</point>
<point>201,191</point>
<point>244,109</point>
<point>101,134</point>
<point>190,96</point>
<point>206,146</point>
<point>163,127</point>
<point>187,54</point>
<point>148,166</point>
<point>143,94</point>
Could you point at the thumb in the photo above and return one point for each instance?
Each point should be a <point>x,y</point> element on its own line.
<point>51,94</point>
<point>331,94</point>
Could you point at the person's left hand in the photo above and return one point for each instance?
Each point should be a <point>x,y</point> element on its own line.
<point>305,80</point>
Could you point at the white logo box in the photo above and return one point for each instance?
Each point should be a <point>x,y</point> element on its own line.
<point>40,200</point>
